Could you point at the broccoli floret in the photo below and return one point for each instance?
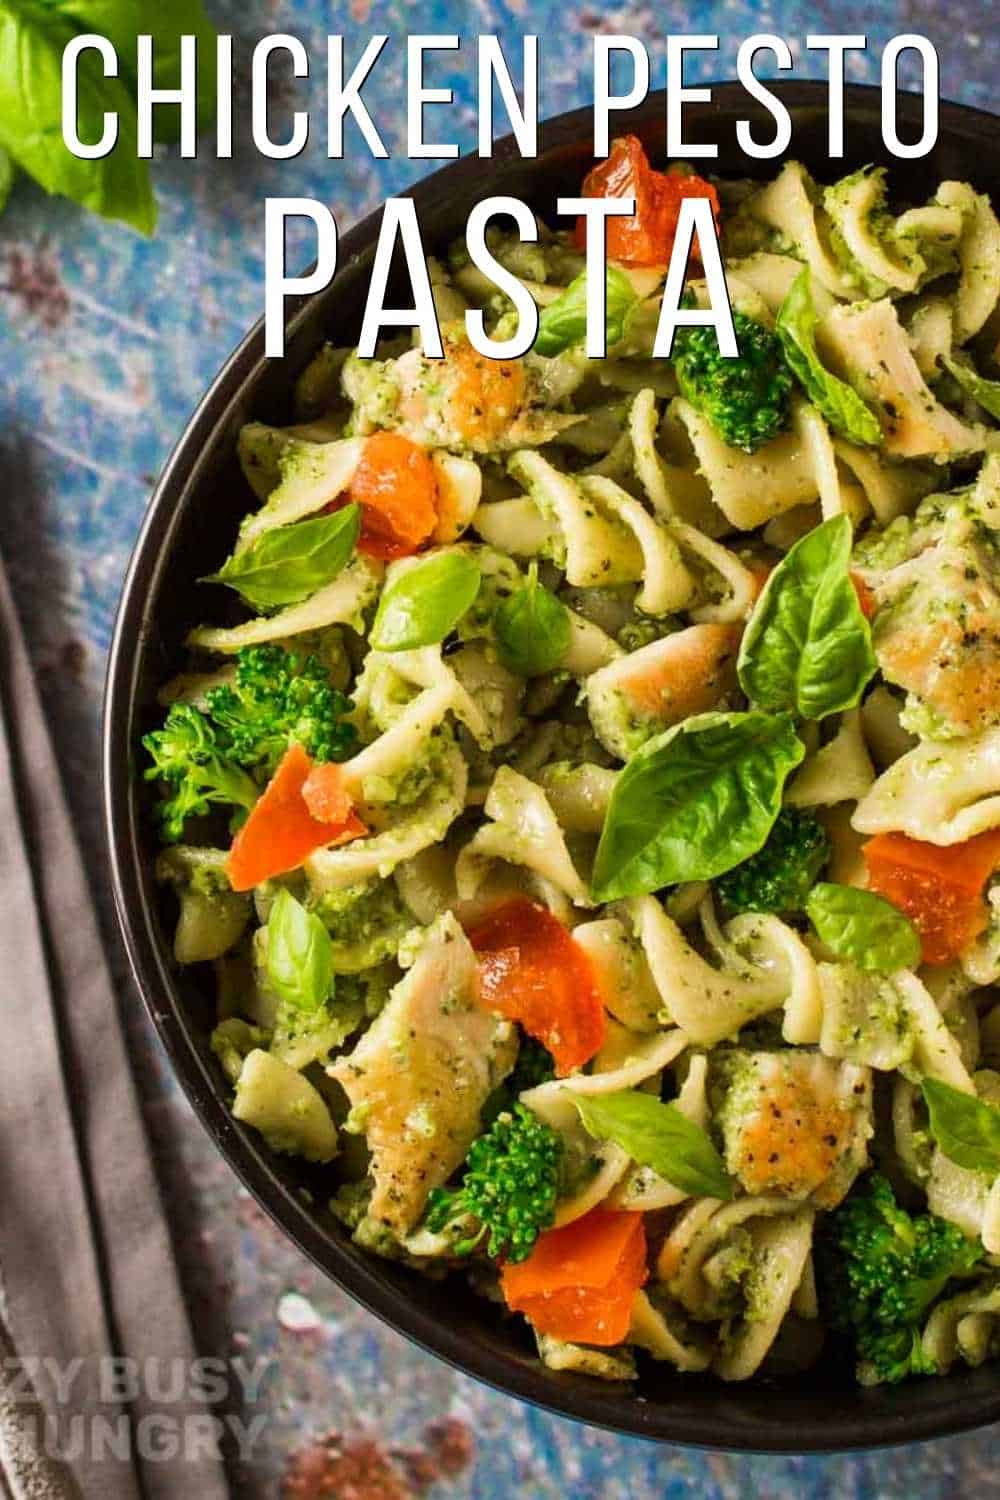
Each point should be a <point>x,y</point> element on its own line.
<point>207,757</point>
<point>746,398</point>
<point>193,759</point>
<point>279,698</point>
<point>880,1270</point>
<point>779,876</point>
<point>510,1186</point>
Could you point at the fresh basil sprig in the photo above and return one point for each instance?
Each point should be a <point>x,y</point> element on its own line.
<point>838,402</point>
<point>289,563</point>
<point>985,392</point>
<point>864,928</point>
<point>808,647</point>
<point>424,604</point>
<point>532,629</point>
<point>656,1135</point>
<point>564,321</point>
<point>32,41</point>
<point>299,962</point>
<point>694,802</point>
<point>966,1129</point>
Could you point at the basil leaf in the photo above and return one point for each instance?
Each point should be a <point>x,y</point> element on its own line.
<point>289,563</point>
<point>808,646</point>
<point>838,402</point>
<point>118,186</point>
<point>863,927</point>
<point>299,954</point>
<point>423,604</point>
<point>121,21</point>
<point>564,321</point>
<point>985,392</point>
<point>656,1135</point>
<point>694,802</point>
<point>532,629</point>
<point>966,1129</point>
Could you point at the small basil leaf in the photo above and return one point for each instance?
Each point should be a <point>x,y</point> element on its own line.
<point>287,564</point>
<point>425,603</point>
<point>532,629</point>
<point>966,1129</point>
<point>808,646</point>
<point>299,954</point>
<point>838,402</point>
<point>658,1136</point>
<point>694,802</point>
<point>564,321</point>
<point>985,392</point>
<point>863,927</point>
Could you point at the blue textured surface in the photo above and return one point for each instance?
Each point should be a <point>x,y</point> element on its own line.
<point>106,343</point>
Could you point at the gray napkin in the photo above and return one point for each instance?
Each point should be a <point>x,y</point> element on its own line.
<point>87,1272</point>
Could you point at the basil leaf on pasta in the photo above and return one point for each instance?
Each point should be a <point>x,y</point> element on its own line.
<point>694,802</point>
<point>299,954</point>
<point>564,321</point>
<point>532,629</point>
<point>966,1129</point>
<point>837,401</point>
<point>807,647</point>
<point>424,604</point>
<point>286,565</point>
<point>864,928</point>
<point>656,1135</point>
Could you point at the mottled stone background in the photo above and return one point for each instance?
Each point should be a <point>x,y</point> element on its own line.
<point>106,343</point>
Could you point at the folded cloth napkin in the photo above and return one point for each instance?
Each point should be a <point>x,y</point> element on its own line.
<point>87,1273</point>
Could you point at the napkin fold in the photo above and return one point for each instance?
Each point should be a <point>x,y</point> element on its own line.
<point>87,1272</point>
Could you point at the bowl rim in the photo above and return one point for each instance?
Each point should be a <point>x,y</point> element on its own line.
<point>598,1404</point>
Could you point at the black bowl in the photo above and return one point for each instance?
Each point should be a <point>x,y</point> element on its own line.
<point>193,517</point>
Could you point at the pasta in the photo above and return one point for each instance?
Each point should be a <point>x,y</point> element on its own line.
<point>595,835</point>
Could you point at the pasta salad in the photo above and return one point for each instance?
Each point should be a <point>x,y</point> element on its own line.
<point>590,808</point>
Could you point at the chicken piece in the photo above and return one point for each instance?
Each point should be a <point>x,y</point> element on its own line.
<point>420,1075</point>
<point>659,685</point>
<point>465,401</point>
<point>937,622</point>
<point>793,1123</point>
<point>866,344</point>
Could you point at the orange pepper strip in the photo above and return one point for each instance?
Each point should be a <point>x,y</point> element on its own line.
<point>579,1282</point>
<point>646,237</point>
<point>281,832</point>
<point>396,487</point>
<point>325,794</point>
<point>532,972</point>
<point>939,887</point>
<point>865,596</point>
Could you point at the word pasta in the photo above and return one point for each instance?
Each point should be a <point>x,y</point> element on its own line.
<point>399,234</point>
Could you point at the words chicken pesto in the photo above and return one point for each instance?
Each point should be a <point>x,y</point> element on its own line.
<point>590,803</point>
